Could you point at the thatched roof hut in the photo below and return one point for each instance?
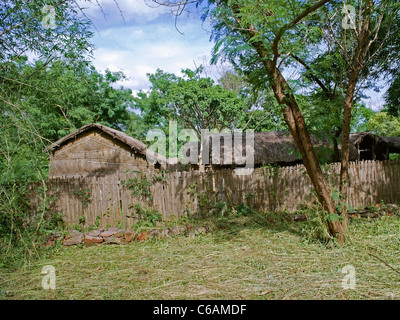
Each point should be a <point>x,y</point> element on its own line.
<point>96,149</point>
<point>275,147</point>
<point>372,147</point>
<point>279,148</point>
<point>393,144</point>
<point>134,144</point>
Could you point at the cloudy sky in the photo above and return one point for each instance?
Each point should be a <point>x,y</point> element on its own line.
<point>145,38</point>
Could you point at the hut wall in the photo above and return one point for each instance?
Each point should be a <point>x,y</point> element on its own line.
<point>95,154</point>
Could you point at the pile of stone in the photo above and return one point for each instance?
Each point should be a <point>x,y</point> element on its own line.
<point>119,236</point>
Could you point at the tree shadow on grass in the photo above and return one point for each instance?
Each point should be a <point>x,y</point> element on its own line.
<point>231,226</point>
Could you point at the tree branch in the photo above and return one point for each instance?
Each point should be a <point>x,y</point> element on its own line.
<point>300,17</point>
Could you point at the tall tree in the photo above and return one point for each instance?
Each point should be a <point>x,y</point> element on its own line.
<point>32,98</point>
<point>266,34</point>
<point>264,38</point>
<point>358,38</point>
<point>47,29</point>
<point>195,102</point>
<point>384,124</point>
<point>60,99</point>
<point>262,112</point>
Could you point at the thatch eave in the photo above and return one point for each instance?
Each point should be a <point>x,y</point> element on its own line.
<point>279,147</point>
<point>132,143</point>
<point>393,144</point>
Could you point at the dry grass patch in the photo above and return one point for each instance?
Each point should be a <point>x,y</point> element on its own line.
<point>245,258</point>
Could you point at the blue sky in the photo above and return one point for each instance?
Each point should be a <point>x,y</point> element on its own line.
<point>146,39</point>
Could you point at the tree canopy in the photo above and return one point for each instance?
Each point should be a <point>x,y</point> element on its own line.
<point>193,101</point>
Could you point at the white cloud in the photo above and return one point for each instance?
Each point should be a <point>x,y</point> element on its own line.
<point>116,11</point>
<point>140,49</point>
<point>146,41</point>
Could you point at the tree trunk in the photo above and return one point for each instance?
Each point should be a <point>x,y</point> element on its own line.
<point>295,121</point>
<point>348,104</point>
<point>364,33</point>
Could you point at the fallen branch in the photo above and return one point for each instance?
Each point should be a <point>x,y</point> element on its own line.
<point>384,262</point>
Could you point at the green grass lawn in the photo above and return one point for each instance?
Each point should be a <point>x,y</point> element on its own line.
<point>242,258</point>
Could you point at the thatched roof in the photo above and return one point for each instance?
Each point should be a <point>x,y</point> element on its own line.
<point>393,144</point>
<point>375,147</point>
<point>269,147</point>
<point>278,147</point>
<point>132,143</point>
<point>365,138</point>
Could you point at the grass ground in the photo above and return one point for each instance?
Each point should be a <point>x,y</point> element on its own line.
<point>243,258</point>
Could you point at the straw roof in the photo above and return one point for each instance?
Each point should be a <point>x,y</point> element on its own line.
<point>132,143</point>
<point>274,147</point>
<point>393,144</point>
<point>380,146</point>
<point>366,138</point>
<point>278,147</point>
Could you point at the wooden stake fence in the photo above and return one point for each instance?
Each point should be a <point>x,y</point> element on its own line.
<point>111,202</point>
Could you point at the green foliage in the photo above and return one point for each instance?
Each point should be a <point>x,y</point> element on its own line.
<point>59,99</point>
<point>392,97</point>
<point>384,124</point>
<point>139,186</point>
<point>262,112</point>
<point>147,218</point>
<point>315,227</point>
<point>84,196</point>
<point>191,100</point>
<point>361,117</point>
<point>244,210</point>
<point>81,219</point>
<point>21,30</point>
<point>317,50</point>
<point>41,101</point>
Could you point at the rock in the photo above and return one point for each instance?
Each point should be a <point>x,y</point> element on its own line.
<point>74,233</point>
<point>165,233</point>
<point>71,241</point>
<point>108,233</point>
<point>112,229</point>
<point>94,233</point>
<point>300,217</point>
<point>48,243</point>
<point>177,230</point>
<point>93,239</point>
<point>144,235</point>
<point>120,233</point>
<point>113,240</point>
<point>57,235</point>
<point>129,236</point>
<point>392,209</point>
<point>154,233</point>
